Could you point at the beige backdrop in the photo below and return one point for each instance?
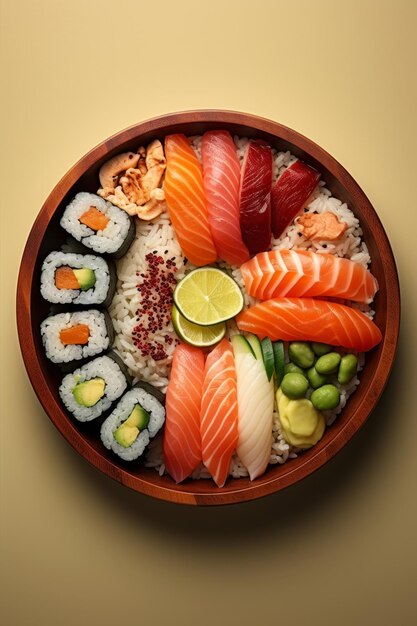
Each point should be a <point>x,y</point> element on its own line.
<point>78,548</point>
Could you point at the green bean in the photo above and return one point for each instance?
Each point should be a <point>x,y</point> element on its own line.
<point>294,386</point>
<point>328,363</point>
<point>320,348</point>
<point>301,354</point>
<point>347,368</point>
<point>292,368</point>
<point>325,398</point>
<point>316,379</point>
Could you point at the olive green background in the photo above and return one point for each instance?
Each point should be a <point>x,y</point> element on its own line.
<point>339,548</point>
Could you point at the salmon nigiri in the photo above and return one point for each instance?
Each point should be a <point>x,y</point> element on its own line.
<point>221,177</point>
<point>182,439</point>
<point>306,319</point>
<point>219,412</point>
<point>186,201</point>
<point>307,274</point>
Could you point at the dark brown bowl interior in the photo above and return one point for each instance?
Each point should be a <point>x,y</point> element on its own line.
<point>46,235</point>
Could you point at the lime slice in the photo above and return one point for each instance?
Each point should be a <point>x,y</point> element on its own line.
<point>200,336</point>
<point>207,296</point>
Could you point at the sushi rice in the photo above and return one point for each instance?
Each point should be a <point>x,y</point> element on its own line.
<point>159,236</point>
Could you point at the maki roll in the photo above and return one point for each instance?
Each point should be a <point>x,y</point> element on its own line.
<point>98,224</point>
<point>76,335</point>
<point>69,278</point>
<point>91,389</point>
<point>138,416</point>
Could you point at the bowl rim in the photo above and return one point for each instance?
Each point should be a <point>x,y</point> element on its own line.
<point>180,493</point>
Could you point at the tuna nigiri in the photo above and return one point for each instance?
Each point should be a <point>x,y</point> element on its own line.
<point>306,319</point>
<point>221,173</point>
<point>186,201</point>
<point>307,274</point>
<point>255,197</point>
<point>290,194</point>
<point>256,405</point>
<point>182,439</point>
<point>219,412</point>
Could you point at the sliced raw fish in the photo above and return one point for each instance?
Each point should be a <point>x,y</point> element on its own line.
<point>306,319</point>
<point>255,413</point>
<point>290,194</point>
<point>221,177</point>
<point>182,439</point>
<point>219,412</point>
<point>186,201</point>
<point>255,197</point>
<point>307,274</point>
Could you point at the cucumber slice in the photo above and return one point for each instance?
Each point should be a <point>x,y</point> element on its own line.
<point>279,360</point>
<point>268,356</point>
<point>255,344</point>
<point>241,346</point>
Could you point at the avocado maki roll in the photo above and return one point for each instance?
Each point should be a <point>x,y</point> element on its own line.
<point>76,335</point>
<point>84,279</point>
<point>91,389</point>
<point>138,416</point>
<point>98,224</point>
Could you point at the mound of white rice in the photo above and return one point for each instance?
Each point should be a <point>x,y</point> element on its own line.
<point>159,236</point>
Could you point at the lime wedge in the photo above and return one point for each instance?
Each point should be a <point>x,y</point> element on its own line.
<point>208,296</point>
<point>194,334</point>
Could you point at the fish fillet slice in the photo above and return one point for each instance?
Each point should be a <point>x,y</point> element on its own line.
<point>182,439</point>
<point>303,273</point>
<point>221,175</point>
<point>256,405</point>
<point>306,319</point>
<point>219,412</point>
<point>186,201</point>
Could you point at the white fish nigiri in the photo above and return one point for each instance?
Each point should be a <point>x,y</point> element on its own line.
<point>255,395</point>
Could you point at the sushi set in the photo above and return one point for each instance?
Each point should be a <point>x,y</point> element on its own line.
<point>214,307</point>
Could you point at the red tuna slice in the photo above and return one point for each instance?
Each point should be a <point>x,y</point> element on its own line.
<point>221,178</point>
<point>290,194</point>
<point>255,197</point>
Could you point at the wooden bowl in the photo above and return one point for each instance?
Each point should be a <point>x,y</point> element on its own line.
<point>46,235</point>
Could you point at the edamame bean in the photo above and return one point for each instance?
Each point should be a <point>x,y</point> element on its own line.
<point>316,379</point>
<point>325,398</point>
<point>294,386</point>
<point>328,363</point>
<point>320,348</point>
<point>292,368</point>
<point>301,354</point>
<point>347,368</point>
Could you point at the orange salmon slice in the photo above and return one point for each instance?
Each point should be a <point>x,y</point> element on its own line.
<point>75,335</point>
<point>94,219</point>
